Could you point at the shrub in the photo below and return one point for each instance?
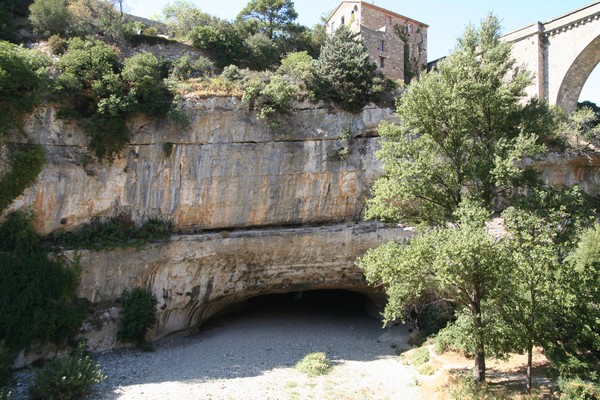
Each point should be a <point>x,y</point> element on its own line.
<point>57,45</point>
<point>66,378</point>
<point>298,66</point>
<point>427,370</point>
<point>5,394</point>
<point>25,165</point>
<point>37,292</point>
<point>231,73</point>
<point>314,364</point>
<point>117,231</point>
<point>578,389</point>
<point>270,99</point>
<point>222,42</point>
<point>22,79</point>
<point>186,68</point>
<point>420,356</point>
<point>137,315</point>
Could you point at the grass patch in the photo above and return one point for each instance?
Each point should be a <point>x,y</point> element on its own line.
<point>119,231</point>
<point>427,370</point>
<point>314,364</point>
<point>207,87</point>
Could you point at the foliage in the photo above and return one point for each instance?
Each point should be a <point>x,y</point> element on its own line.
<point>271,17</point>
<point>462,265</point>
<point>581,128</point>
<point>22,79</point>
<point>67,378</point>
<point>465,129</point>
<point>222,42</point>
<point>186,68</point>
<point>181,16</point>
<point>314,364</point>
<point>299,66</point>
<point>57,45</point>
<point>24,167</point>
<point>574,349</point>
<point>344,72</point>
<point>118,231</point>
<point>36,291</point>
<point>578,389</point>
<point>420,356</point>
<point>262,52</point>
<point>50,17</point>
<point>137,315</point>
<point>270,99</point>
<point>105,92</point>
<point>231,73</point>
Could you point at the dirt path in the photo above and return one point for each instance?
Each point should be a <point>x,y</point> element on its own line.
<point>251,356</point>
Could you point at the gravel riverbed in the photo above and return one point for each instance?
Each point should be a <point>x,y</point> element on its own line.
<point>251,354</point>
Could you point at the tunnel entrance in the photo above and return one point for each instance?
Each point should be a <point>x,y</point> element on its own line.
<point>336,301</point>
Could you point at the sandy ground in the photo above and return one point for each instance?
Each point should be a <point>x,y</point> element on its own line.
<point>250,355</point>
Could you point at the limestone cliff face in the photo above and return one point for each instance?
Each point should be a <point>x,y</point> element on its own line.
<point>228,171</point>
<point>197,276</point>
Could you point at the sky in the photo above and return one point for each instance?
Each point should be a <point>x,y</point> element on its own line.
<point>446,18</point>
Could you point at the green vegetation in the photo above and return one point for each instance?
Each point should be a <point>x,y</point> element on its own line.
<point>24,166</point>
<point>344,72</point>
<point>420,356</point>
<point>22,80</point>
<point>456,161</point>
<point>314,364</point>
<point>578,389</point>
<point>137,316</point>
<point>37,291</point>
<point>6,361</point>
<point>67,378</point>
<point>102,91</point>
<point>118,231</point>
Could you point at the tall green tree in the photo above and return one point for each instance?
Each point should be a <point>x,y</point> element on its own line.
<point>462,265</point>
<point>271,17</point>
<point>465,130</point>
<point>50,17</point>
<point>465,127</point>
<point>344,73</point>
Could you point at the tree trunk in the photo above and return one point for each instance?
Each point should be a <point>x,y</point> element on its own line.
<point>479,369</point>
<point>529,366</point>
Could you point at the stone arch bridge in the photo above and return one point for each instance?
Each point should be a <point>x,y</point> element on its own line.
<point>562,53</point>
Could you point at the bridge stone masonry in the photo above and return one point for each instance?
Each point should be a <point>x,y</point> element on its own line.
<point>561,53</point>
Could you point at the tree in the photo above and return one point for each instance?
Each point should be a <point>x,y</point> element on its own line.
<point>344,72</point>
<point>462,265</point>
<point>271,17</point>
<point>465,131</point>
<point>465,127</point>
<point>222,42</point>
<point>50,17</point>
<point>181,16</point>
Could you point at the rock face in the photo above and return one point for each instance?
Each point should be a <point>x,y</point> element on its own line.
<point>197,276</point>
<point>257,211</point>
<point>228,171</point>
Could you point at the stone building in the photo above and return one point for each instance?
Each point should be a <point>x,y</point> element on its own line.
<point>397,44</point>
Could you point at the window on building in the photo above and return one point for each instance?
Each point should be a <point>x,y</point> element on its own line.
<point>388,20</point>
<point>343,21</point>
<point>332,26</point>
<point>409,28</point>
<point>382,46</point>
<point>381,62</point>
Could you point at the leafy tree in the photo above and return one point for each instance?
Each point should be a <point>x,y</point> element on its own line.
<point>50,17</point>
<point>271,17</point>
<point>462,265</point>
<point>299,66</point>
<point>262,52</point>
<point>181,16</point>
<point>344,72</point>
<point>223,43</point>
<point>465,131</point>
<point>465,127</point>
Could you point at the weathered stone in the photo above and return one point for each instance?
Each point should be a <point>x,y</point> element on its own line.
<point>197,276</point>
